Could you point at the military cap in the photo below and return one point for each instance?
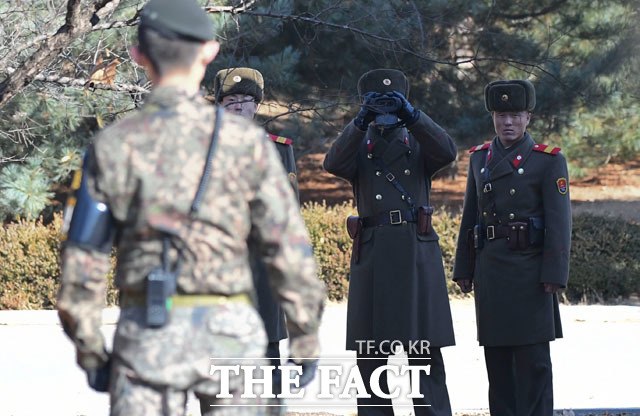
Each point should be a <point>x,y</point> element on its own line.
<point>247,81</point>
<point>184,19</point>
<point>510,95</point>
<point>383,81</point>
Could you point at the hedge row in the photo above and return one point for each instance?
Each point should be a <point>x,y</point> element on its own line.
<point>604,257</point>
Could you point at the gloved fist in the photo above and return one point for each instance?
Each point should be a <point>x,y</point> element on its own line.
<point>98,379</point>
<point>406,112</point>
<point>366,115</point>
<point>465,285</point>
<point>308,371</point>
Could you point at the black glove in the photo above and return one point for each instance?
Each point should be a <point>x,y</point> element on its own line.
<point>308,371</point>
<point>366,115</point>
<point>99,379</point>
<point>406,113</point>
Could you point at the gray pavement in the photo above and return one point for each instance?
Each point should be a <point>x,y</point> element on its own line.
<point>596,365</point>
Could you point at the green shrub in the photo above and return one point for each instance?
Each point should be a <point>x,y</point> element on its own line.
<point>605,259</point>
<point>30,268</point>
<point>331,244</point>
<point>30,272</point>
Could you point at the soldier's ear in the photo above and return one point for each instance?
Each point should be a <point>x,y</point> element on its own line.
<point>138,57</point>
<point>209,51</point>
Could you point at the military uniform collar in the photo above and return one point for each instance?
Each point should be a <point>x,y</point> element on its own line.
<point>170,96</point>
<point>389,147</point>
<point>504,161</point>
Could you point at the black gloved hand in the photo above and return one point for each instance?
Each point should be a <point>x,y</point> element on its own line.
<point>406,113</point>
<point>366,115</point>
<point>308,371</point>
<point>99,378</point>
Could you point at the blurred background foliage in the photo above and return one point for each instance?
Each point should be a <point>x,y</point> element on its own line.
<point>582,56</point>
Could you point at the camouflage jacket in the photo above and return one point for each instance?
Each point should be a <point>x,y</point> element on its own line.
<point>146,168</point>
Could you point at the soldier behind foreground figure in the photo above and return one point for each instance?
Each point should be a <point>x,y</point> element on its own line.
<point>513,250</point>
<point>182,262</point>
<point>397,287</point>
<point>240,91</point>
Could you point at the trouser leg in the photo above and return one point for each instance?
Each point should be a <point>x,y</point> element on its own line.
<point>432,386</point>
<point>273,354</point>
<point>375,405</point>
<point>130,396</point>
<point>534,380</point>
<point>500,362</point>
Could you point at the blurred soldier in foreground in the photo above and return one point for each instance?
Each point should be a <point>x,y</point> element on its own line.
<point>182,262</point>
<point>397,287</point>
<point>240,91</point>
<point>513,250</point>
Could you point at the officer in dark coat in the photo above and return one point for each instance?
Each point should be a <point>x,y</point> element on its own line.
<point>513,250</point>
<point>397,288</point>
<point>240,91</point>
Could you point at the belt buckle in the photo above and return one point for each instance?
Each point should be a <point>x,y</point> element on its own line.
<point>397,214</point>
<point>390,177</point>
<point>491,233</point>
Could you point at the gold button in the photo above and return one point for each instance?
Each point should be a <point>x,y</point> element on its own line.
<point>512,216</point>
<point>378,197</point>
<point>378,173</point>
<point>512,191</point>
<point>407,172</point>
<point>520,171</point>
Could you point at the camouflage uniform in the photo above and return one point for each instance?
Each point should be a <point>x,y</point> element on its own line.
<point>146,169</point>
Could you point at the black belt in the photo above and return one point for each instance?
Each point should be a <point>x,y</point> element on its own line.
<point>493,232</point>
<point>394,217</point>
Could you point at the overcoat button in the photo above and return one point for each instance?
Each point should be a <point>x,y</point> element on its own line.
<point>407,172</point>
<point>378,197</point>
<point>512,216</point>
<point>484,213</point>
<point>512,191</point>
<point>370,155</point>
<point>378,173</point>
<point>482,170</point>
<point>520,171</point>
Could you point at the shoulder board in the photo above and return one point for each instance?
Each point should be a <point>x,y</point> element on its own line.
<point>280,139</point>
<point>480,147</point>
<point>539,147</point>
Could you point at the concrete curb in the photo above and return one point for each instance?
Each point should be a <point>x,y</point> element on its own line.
<point>49,317</point>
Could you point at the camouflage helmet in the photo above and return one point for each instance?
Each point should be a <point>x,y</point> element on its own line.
<point>245,81</point>
<point>510,95</point>
<point>383,81</point>
<point>184,19</point>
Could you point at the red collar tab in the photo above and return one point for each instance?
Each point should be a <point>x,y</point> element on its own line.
<point>539,147</point>
<point>280,139</point>
<point>369,144</point>
<point>517,160</point>
<point>480,147</point>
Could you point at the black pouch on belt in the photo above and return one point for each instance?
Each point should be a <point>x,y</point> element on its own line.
<point>518,235</point>
<point>424,219</point>
<point>354,228</point>
<point>536,231</point>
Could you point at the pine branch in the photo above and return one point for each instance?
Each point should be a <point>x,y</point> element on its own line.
<point>81,82</point>
<point>77,23</point>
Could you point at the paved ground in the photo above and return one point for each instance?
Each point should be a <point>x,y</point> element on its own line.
<point>595,366</point>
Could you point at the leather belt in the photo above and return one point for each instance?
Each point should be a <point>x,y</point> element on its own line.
<point>186,301</point>
<point>394,217</point>
<point>494,232</point>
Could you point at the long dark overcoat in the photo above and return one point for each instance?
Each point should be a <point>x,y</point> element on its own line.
<point>397,290</point>
<point>271,313</point>
<point>527,180</point>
